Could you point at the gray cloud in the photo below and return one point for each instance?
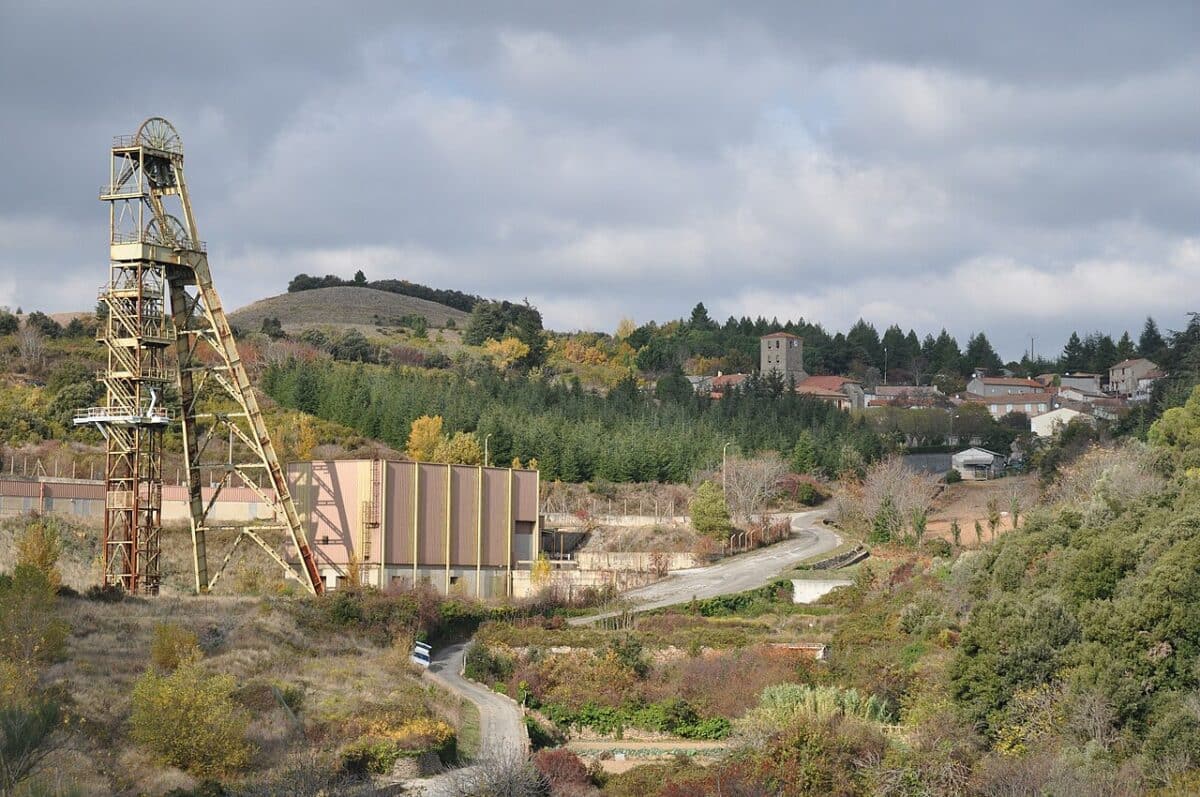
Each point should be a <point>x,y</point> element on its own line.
<point>1008,167</point>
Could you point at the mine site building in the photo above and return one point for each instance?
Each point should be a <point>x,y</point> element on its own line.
<point>462,529</point>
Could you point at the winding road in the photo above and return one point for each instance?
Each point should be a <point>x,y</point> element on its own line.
<point>735,574</point>
<point>501,725</point>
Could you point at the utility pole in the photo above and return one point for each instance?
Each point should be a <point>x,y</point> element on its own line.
<point>487,437</point>
<point>724,467</point>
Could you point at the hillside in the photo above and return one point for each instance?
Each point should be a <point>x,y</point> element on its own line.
<point>346,306</point>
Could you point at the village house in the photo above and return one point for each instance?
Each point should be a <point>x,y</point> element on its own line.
<point>1030,403</point>
<point>1002,385</point>
<point>1123,377</point>
<point>1049,423</point>
<point>842,391</point>
<point>1089,383</point>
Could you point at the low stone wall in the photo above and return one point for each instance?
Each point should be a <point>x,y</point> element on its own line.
<point>568,582</point>
<point>639,561</point>
<point>633,521</point>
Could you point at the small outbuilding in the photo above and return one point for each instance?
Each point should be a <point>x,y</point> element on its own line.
<point>978,463</point>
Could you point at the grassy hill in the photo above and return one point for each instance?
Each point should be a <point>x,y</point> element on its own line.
<point>344,306</point>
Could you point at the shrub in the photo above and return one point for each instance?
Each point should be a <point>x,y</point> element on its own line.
<point>937,547</point>
<point>369,756</point>
<point>25,740</point>
<point>481,665</point>
<point>31,632</point>
<point>39,547</point>
<point>188,719</point>
<point>784,705</point>
<point>953,476</point>
<point>108,593</point>
<point>562,769</point>
<point>173,646</point>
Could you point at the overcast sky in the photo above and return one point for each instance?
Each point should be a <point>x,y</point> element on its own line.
<point>1021,168</point>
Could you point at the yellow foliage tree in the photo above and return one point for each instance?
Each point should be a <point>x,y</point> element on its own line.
<point>625,328</point>
<point>39,546</point>
<point>424,437</point>
<point>306,438</point>
<point>505,352</point>
<point>461,449</point>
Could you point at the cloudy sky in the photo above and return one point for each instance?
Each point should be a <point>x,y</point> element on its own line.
<point>1022,168</point>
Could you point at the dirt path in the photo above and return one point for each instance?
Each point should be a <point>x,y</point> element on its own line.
<point>502,733</point>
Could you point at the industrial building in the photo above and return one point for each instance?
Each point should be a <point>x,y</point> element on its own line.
<point>461,528</point>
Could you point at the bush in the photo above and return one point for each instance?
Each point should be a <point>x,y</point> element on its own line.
<point>39,546</point>
<point>953,476</point>
<point>188,719</point>
<point>109,593</point>
<point>25,739</point>
<point>369,757</point>
<point>710,515</point>
<point>562,769</point>
<point>937,547</point>
<point>31,632</point>
<point>173,647</point>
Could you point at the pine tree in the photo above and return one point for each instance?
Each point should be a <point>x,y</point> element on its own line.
<point>804,453</point>
<point>886,521</point>
<point>1151,343</point>
<point>1073,355</point>
<point>710,515</point>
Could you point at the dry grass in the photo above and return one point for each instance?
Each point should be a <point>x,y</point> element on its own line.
<point>342,307</point>
<point>335,683</point>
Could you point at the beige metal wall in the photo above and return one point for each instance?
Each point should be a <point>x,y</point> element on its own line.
<point>443,524</point>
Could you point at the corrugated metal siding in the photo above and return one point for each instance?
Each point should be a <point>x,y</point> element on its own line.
<point>317,496</point>
<point>432,543</point>
<point>398,495</point>
<point>495,518</point>
<point>464,530</point>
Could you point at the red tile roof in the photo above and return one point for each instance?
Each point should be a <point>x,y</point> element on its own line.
<point>826,382</point>
<point>728,380</point>
<point>782,335</point>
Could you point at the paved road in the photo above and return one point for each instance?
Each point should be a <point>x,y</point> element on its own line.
<point>736,574</point>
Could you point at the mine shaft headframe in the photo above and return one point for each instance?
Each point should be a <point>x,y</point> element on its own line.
<point>225,439</point>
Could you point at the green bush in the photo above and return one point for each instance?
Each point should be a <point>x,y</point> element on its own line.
<point>953,476</point>
<point>189,719</point>
<point>370,757</point>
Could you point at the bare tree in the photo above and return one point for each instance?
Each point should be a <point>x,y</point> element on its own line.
<point>888,482</point>
<point>751,483</point>
<point>31,346</point>
<point>499,774</point>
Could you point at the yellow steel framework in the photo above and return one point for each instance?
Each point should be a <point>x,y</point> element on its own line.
<point>160,296</point>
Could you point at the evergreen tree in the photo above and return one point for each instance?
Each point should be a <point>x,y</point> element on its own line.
<point>710,515</point>
<point>804,453</point>
<point>1073,358</point>
<point>980,354</point>
<point>1151,343</point>
<point>1125,347</point>
<point>700,319</point>
<point>674,387</point>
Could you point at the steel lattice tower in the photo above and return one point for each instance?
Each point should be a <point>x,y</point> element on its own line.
<point>160,298</point>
